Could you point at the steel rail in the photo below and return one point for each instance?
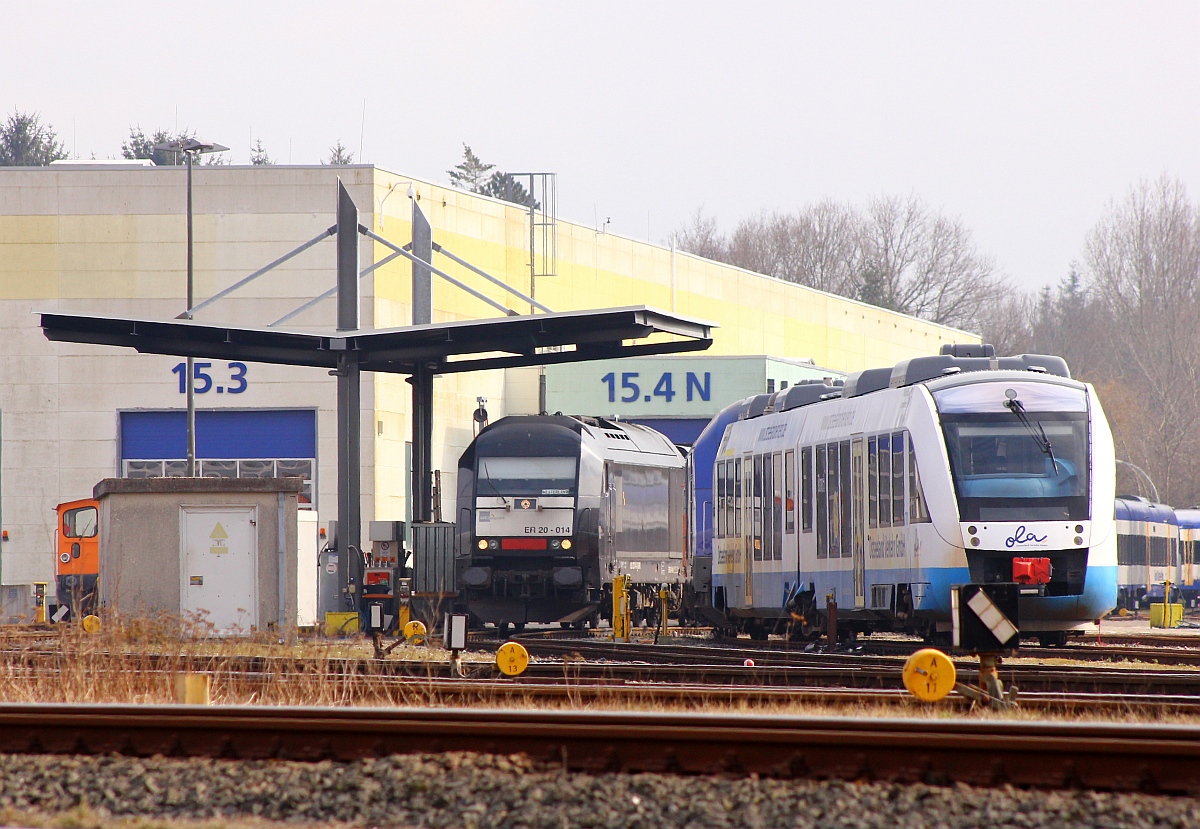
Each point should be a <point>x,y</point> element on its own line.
<point>1121,757</point>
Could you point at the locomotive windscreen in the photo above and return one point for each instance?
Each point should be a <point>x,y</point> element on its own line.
<point>526,476</point>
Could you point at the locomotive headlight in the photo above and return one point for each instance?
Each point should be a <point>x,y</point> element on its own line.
<point>494,544</point>
<point>554,544</point>
<point>483,545</point>
<point>566,543</point>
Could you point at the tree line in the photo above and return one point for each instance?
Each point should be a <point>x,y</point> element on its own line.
<point>25,141</point>
<point>1126,316</point>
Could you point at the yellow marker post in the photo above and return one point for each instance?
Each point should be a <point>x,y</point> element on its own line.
<point>415,632</point>
<point>512,659</point>
<point>193,689</point>
<point>664,611</point>
<point>929,675</point>
<point>621,616</point>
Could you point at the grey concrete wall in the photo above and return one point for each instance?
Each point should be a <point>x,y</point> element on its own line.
<point>140,539</point>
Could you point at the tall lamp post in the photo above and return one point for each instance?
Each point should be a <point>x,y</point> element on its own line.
<point>1144,476</point>
<point>190,149</point>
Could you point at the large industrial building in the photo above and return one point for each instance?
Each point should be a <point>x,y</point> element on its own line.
<point>110,240</point>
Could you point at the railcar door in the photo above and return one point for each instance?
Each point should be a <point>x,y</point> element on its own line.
<point>747,530</point>
<point>859,518</point>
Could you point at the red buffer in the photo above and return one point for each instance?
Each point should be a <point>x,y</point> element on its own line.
<point>1031,570</point>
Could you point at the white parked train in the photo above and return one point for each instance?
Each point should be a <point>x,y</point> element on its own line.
<point>943,470</point>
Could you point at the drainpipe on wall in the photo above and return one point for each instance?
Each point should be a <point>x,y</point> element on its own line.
<point>280,530</point>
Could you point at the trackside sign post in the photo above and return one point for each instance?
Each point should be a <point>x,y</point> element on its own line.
<point>984,617</point>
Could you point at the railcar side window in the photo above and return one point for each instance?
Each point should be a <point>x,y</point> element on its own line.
<point>806,489</point>
<point>872,484</point>
<point>844,480</point>
<point>777,509</point>
<point>898,479</point>
<point>822,505</point>
<point>718,499</point>
<point>917,512</point>
<point>885,481</point>
<point>789,488</point>
<point>737,497</point>
<point>758,503</point>
<point>834,486</point>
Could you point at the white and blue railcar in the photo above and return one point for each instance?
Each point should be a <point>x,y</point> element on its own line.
<point>940,471</point>
<point>1147,551</point>
<point>1189,536</point>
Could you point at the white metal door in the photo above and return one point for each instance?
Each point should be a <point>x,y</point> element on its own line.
<point>219,565</point>
<point>858,512</point>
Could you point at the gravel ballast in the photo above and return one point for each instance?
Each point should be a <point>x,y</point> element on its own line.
<point>477,791</point>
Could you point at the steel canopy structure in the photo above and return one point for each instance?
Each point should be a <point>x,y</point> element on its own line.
<point>442,348</point>
<point>421,351</point>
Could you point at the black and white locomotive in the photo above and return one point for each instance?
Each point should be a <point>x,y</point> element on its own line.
<point>552,508</point>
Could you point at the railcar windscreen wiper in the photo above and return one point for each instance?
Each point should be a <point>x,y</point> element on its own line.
<point>1039,434</point>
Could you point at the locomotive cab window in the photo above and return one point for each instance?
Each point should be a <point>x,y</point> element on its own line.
<point>80,523</point>
<point>526,476</point>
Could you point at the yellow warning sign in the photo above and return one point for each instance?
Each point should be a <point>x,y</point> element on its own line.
<point>929,675</point>
<point>512,659</point>
<point>219,540</point>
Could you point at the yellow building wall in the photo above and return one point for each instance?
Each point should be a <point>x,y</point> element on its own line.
<point>755,314</point>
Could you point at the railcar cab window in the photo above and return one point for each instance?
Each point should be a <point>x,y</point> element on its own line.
<point>1018,451</point>
<point>79,523</point>
<point>526,476</point>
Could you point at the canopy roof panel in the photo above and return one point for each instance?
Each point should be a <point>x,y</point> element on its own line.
<point>468,345</point>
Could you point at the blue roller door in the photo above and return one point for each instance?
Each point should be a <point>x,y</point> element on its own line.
<point>264,433</point>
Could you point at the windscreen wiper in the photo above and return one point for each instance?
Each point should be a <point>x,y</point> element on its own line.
<point>1014,405</point>
<point>488,478</point>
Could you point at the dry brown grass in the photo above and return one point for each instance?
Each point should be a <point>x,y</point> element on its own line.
<point>137,660</point>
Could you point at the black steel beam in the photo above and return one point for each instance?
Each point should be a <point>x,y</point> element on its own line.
<point>349,400</point>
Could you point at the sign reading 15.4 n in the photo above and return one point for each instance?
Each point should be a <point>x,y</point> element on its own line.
<point>203,381</point>
<point>633,388</point>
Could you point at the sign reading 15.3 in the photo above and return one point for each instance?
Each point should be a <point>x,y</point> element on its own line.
<point>664,388</point>
<point>202,381</point>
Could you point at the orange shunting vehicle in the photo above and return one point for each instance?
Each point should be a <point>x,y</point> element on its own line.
<point>77,561</point>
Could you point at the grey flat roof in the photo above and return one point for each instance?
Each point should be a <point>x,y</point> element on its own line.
<point>468,345</point>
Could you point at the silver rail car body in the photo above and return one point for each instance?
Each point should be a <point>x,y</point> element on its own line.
<point>551,508</point>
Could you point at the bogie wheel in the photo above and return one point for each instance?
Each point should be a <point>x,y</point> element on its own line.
<point>1053,639</point>
<point>758,633</point>
<point>519,627</point>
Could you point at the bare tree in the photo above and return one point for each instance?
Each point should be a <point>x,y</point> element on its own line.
<point>927,265</point>
<point>1143,259</point>
<point>701,237</point>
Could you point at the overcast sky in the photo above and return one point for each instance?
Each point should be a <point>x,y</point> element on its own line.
<point>1023,119</point>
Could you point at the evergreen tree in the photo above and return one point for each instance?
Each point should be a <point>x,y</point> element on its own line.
<point>471,174</point>
<point>141,146</point>
<point>26,142</point>
<point>504,186</point>
<point>339,155</point>
<point>258,153</point>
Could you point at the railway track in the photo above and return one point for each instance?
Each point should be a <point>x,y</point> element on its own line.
<point>1162,759</point>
